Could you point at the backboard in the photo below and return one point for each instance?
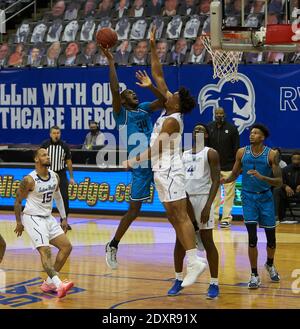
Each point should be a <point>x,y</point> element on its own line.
<point>254,26</point>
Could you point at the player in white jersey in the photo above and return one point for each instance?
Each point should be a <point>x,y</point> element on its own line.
<point>202,180</point>
<point>165,154</point>
<point>39,188</point>
<point>2,248</point>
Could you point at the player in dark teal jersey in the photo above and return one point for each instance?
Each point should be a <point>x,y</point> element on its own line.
<point>131,118</point>
<point>260,171</point>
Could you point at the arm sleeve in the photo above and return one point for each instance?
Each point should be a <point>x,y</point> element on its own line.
<point>59,203</point>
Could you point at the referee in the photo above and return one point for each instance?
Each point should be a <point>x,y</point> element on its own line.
<point>60,156</point>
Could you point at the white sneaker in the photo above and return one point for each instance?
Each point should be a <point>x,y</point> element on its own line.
<point>274,276</point>
<point>199,244</point>
<point>193,271</point>
<point>111,256</point>
<point>254,282</point>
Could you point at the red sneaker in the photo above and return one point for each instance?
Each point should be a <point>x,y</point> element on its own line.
<point>46,287</point>
<point>64,288</point>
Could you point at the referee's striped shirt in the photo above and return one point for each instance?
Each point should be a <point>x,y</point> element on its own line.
<point>59,152</point>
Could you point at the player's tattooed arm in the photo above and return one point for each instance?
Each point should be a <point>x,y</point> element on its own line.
<point>276,180</point>
<point>26,185</point>
<point>156,67</point>
<point>277,173</point>
<point>114,82</point>
<point>237,168</point>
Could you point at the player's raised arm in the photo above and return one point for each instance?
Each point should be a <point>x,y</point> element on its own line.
<point>26,185</point>
<point>144,81</point>
<point>156,67</point>
<point>114,82</point>
<point>236,168</point>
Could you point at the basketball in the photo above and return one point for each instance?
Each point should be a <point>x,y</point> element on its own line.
<point>106,37</point>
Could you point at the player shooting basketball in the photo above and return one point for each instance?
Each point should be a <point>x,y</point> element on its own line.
<point>165,154</point>
<point>132,117</point>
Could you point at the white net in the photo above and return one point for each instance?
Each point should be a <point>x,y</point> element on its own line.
<point>225,63</point>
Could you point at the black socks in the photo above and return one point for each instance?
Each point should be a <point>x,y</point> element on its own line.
<point>114,243</point>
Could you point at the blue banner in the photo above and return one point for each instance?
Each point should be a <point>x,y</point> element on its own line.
<point>33,100</point>
<point>99,190</point>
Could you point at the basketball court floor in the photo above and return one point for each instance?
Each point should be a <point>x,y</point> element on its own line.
<point>145,270</point>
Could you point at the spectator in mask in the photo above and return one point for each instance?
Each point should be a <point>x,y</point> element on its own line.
<point>94,139</point>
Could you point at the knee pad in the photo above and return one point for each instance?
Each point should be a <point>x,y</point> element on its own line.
<point>271,242</point>
<point>271,239</point>
<point>253,242</point>
<point>252,237</point>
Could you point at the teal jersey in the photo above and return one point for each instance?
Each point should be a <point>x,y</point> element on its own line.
<point>259,163</point>
<point>130,122</point>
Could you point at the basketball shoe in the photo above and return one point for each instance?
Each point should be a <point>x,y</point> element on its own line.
<point>213,291</point>
<point>46,287</point>
<point>274,276</point>
<point>111,256</point>
<point>254,282</point>
<point>64,287</point>
<point>176,288</point>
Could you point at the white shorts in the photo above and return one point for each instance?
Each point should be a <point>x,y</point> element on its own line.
<point>170,185</point>
<point>198,202</point>
<point>41,230</point>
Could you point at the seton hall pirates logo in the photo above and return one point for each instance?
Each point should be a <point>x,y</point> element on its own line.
<point>237,99</point>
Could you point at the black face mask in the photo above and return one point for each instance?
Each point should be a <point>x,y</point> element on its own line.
<point>220,119</point>
<point>93,131</point>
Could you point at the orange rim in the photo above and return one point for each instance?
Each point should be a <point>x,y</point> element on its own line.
<point>230,35</point>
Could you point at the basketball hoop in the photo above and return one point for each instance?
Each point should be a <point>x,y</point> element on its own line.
<point>225,62</point>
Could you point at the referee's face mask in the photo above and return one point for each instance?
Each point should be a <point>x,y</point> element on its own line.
<point>55,135</point>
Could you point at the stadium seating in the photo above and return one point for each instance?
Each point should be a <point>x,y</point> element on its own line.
<point>78,22</point>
